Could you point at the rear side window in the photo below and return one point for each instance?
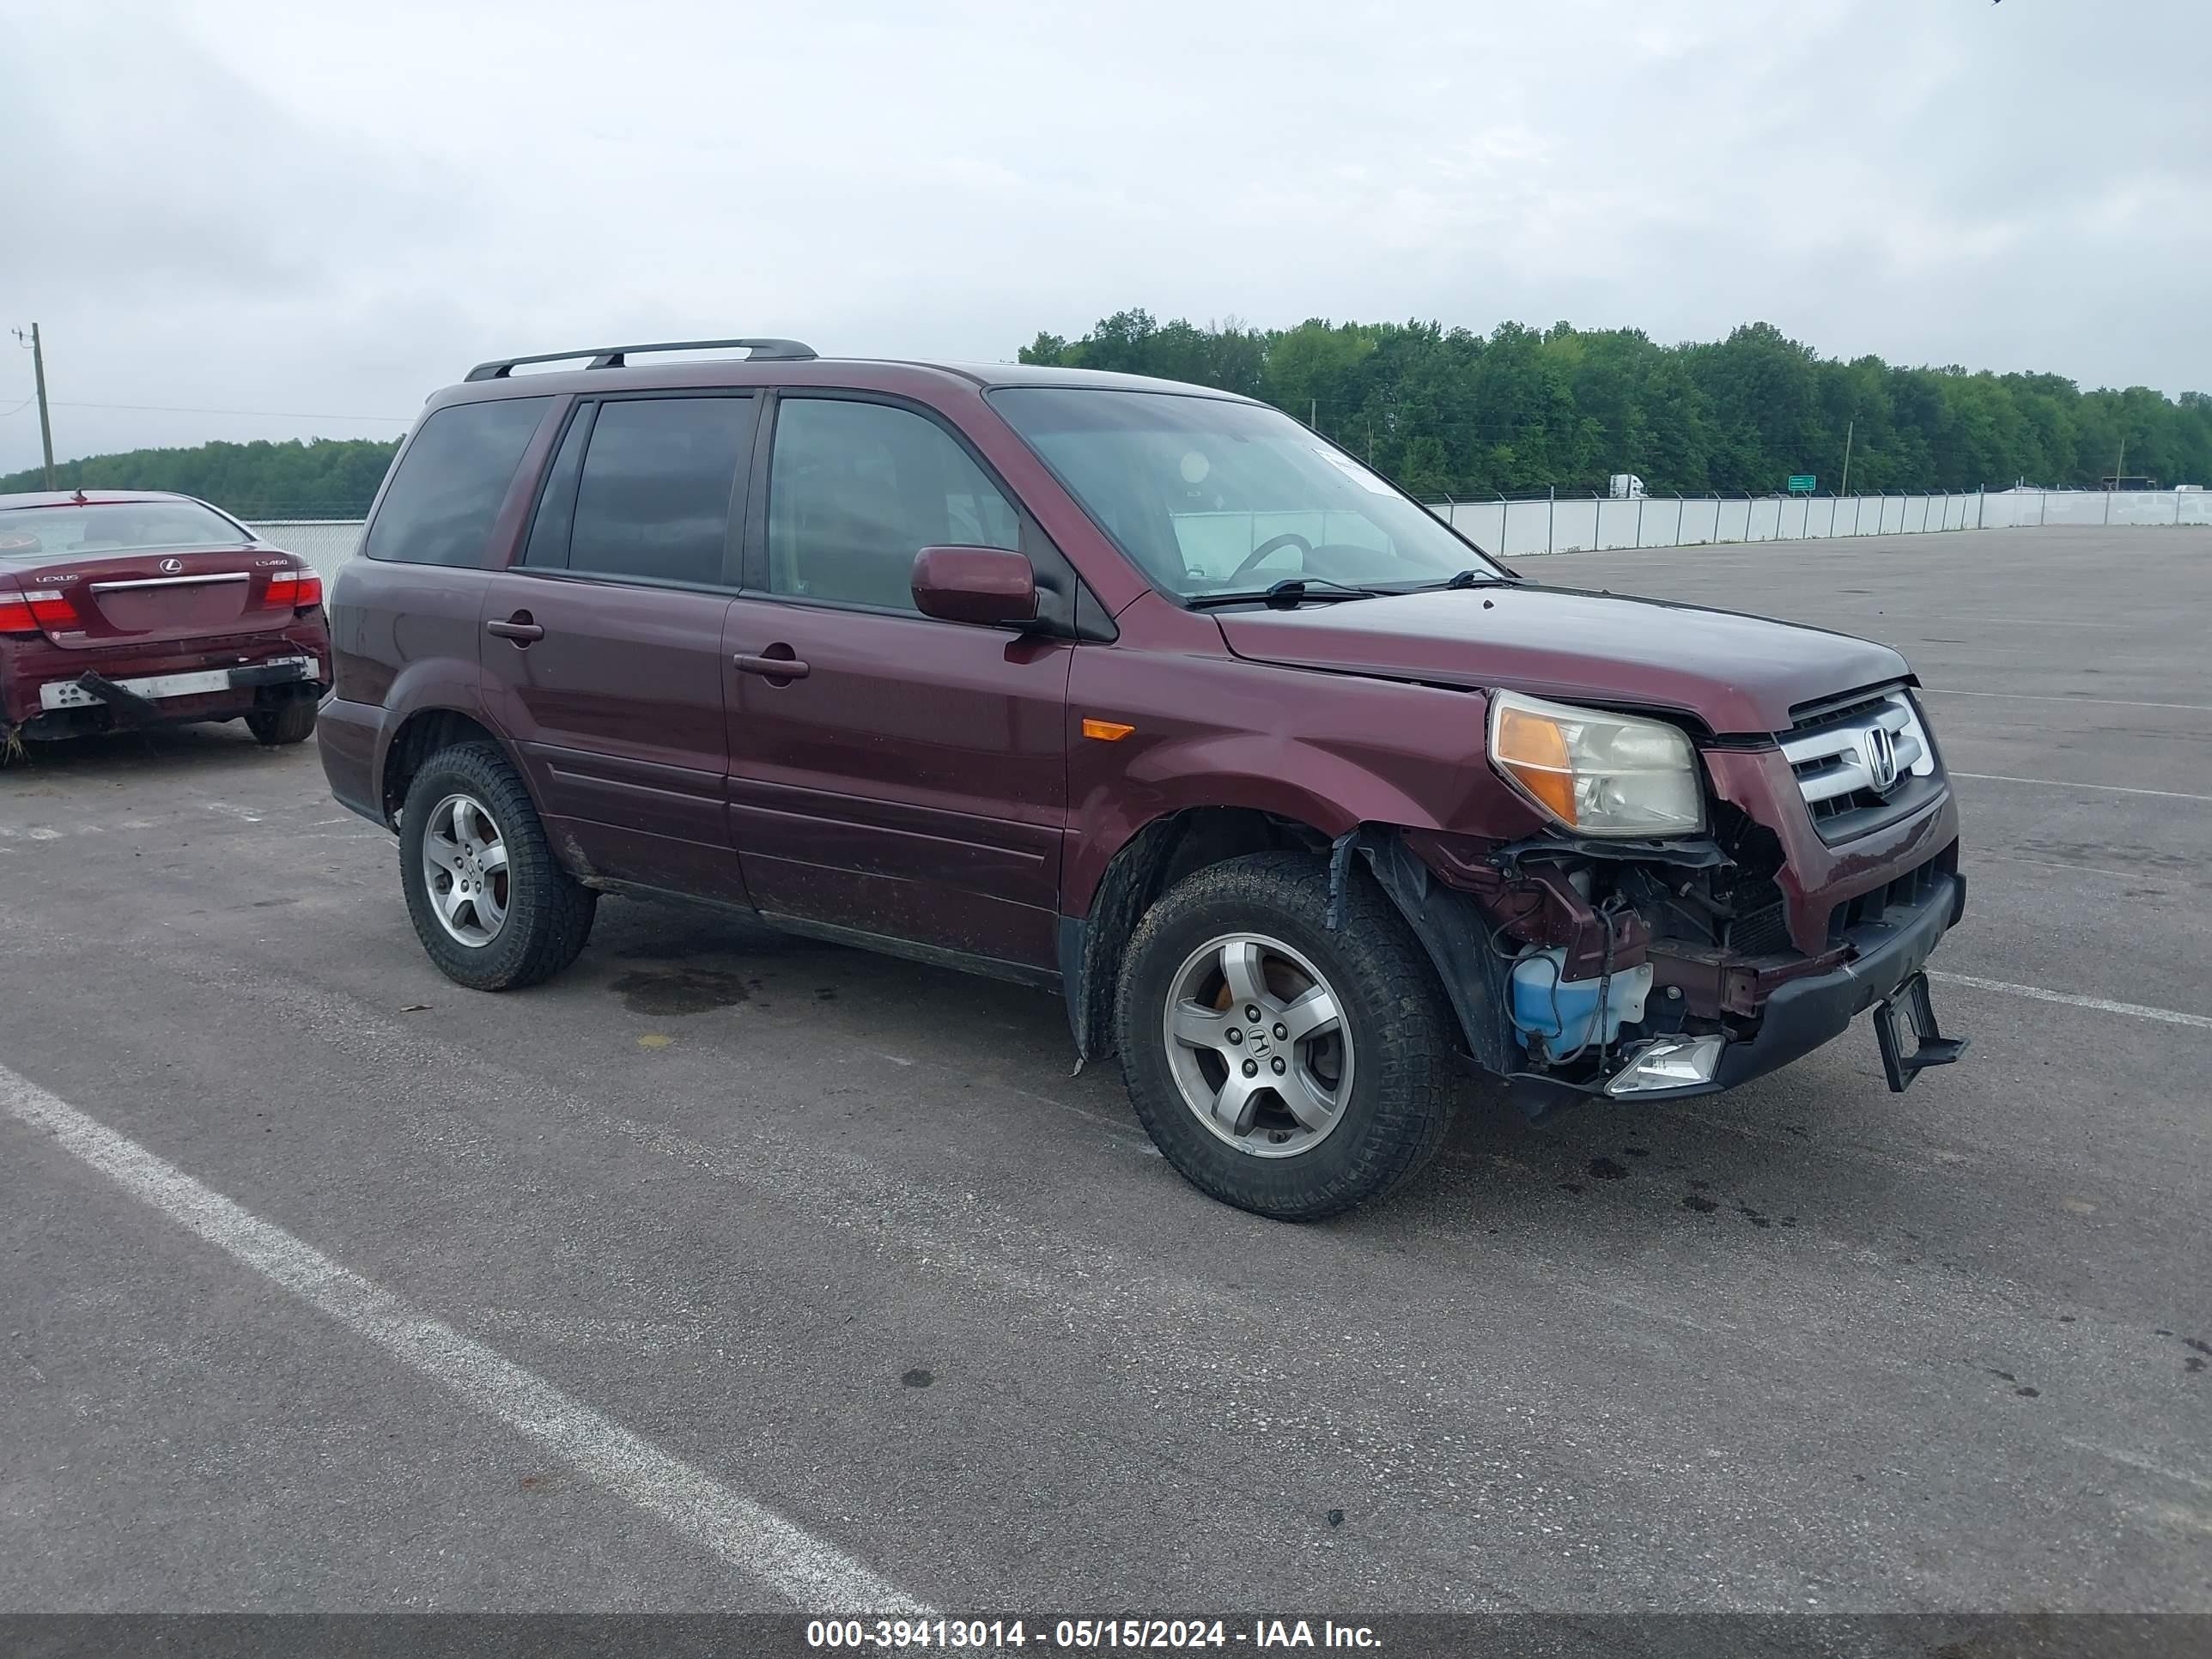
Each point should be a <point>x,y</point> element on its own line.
<point>653,501</point>
<point>451,481</point>
<point>856,490</point>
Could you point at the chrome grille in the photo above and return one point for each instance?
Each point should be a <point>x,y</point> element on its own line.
<point>1835,754</point>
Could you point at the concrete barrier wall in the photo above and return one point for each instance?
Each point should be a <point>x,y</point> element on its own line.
<point>1523,529</point>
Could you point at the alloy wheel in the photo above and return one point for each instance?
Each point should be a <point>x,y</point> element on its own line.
<point>464,870</point>
<point>1257,1044</point>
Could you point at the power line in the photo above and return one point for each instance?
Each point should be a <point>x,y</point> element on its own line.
<point>272,414</point>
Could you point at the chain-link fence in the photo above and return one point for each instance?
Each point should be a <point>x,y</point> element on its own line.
<point>325,544</point>
<point>1562,524</point>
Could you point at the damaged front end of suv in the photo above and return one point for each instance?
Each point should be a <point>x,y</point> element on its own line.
<point>1701,908</point>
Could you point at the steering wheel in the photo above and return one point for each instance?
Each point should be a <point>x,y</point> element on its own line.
<point>1252,558</point>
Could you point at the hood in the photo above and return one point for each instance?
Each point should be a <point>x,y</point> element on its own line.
<point>1735,673</point>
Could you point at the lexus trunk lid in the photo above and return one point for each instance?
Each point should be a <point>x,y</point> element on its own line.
<point>99,600</point>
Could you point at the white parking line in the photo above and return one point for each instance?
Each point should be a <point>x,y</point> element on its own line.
<point>2037,696</point>
<point>811,1571</point>
<point>2135,1010</point>
<point>2069,783</point>
<point>1979,854</point>
<point>2069,623</point>
<point>2137,1460</point>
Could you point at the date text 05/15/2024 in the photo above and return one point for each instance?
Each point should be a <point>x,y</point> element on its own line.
<point>1085,1635</point>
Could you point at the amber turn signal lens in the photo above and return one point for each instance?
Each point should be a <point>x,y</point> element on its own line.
<point>1106,731</point>
<point>1532,748</point>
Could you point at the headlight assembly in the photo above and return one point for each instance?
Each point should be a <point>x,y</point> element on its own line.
<point>1598,774</point>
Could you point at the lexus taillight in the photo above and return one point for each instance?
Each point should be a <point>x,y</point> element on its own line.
<point>28,612</point>
<point>297,588</point>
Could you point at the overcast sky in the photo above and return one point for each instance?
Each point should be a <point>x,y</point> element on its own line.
<point>326,211</point>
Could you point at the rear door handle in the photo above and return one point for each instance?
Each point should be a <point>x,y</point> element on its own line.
<point>521,632</point>
<point>772,668</point>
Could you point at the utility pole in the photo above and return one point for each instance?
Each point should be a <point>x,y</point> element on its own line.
<point>2118,467</point>
<point>1849,427</point>
<point>45,421</point>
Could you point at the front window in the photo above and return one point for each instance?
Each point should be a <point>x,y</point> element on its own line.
<point>856,490</point>
<point>36,534</point>
<point>1214,497</point>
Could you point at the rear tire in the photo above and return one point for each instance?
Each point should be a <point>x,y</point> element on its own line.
<point>292,720</point>
<point>533,916</point>
<point>1376,1083</point>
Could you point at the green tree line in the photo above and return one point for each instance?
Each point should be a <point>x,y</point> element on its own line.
<point>1448,411</point>
<point>318,478</point>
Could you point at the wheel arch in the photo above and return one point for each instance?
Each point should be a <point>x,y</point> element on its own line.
<point>422,734</point>
<point>1452,932</point>
<point>1158,854</point>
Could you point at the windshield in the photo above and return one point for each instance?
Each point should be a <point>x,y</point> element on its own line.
<point>1210,497</point>
<point>45,532</point>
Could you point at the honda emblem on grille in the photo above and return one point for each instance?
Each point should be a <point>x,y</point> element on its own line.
<point>170,567</point>
<point>1880,753</point>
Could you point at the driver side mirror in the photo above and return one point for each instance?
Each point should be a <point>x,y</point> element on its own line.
<point>992,587</point>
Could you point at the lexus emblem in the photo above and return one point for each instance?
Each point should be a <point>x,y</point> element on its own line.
<point>1880,753</point>
<point>170,567</point>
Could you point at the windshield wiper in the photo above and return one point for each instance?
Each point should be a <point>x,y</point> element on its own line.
<point>1286,593</point>
<point>1474,578</point>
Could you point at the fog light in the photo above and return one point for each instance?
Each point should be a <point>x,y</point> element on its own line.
<point>1668,1062</point>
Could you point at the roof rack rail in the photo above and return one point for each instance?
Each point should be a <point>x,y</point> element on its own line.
<point>762,350</point>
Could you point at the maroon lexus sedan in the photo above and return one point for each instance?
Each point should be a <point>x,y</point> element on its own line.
<point>121,609</point>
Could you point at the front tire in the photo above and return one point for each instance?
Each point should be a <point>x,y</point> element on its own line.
<point>1339,1090</point>
<point>492,906</point>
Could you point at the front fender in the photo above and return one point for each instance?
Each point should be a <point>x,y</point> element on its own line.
<point>1287,778</point>
<point>1328,751</point>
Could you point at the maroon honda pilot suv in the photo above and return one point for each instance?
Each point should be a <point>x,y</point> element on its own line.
<point>1141,692</point>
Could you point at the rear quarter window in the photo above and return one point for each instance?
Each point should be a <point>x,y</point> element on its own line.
<point>453,477</point>
<point>653,501</point>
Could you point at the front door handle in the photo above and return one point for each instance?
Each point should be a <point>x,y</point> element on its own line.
<point>769,666</point>
<point>517,628</point>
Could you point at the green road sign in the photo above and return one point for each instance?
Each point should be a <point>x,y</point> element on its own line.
<point>1801,483</point>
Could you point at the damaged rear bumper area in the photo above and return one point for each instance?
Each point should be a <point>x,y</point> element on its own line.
<point>92,701</point>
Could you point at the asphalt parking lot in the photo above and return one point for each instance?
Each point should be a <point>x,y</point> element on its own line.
<point>838,1240</point>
